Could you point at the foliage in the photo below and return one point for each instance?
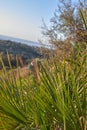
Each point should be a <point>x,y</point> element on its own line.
<point>67,22</point>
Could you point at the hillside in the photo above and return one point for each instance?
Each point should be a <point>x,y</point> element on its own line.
<point>17,49</point>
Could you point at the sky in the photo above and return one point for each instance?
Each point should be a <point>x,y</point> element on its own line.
<point>23,18</point>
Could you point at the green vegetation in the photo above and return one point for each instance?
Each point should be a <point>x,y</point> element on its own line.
<point>53,98</point>
<point>59,99</point>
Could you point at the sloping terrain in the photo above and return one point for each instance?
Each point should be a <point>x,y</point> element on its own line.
<point>18,49</point>
<point>24,52</point>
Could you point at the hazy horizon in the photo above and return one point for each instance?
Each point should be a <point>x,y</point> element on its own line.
<point>23,18</point>
<point>24,41</point>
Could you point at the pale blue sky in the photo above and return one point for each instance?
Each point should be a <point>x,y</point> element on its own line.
<point>23,18</point>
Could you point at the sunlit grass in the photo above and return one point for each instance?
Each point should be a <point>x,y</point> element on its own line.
<point>57,100</point>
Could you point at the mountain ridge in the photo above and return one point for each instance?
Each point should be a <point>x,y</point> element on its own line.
<point>18,49</point>
<point>23,51</point>
<point>19,40</point>
<point>24,41</point>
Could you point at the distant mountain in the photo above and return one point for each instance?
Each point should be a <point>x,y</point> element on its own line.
<point>23,41</point>
<point>24,49</point>
<point>28,52</point>
<point>24,53</point>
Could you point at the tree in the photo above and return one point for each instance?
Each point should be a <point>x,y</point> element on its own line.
<point>67,22</point>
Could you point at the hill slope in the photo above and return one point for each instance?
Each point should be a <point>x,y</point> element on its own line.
<point>17,49</point>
